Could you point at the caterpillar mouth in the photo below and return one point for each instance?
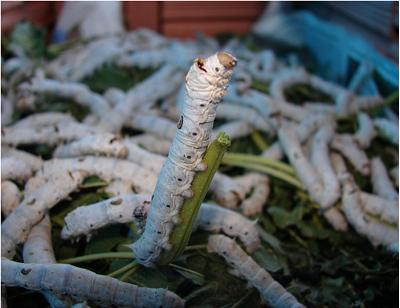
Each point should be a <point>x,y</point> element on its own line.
<point>227,60</point>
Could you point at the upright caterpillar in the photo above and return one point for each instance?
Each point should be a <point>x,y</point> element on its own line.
<point>206,84</point>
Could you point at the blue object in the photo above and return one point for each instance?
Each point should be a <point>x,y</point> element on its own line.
<point>58,36</point>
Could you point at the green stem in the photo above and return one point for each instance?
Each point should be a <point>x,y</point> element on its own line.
<point>181,233</point>
<point>195,247</point>
<point>268,170</point>
<point>123,269</point>
<point>98,256</point>
<point>125,276</point>
<point>184,269</point>
<point>254,159</point>
<point>259,141</point>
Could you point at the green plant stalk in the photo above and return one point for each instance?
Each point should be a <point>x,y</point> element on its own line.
<point>259,141</point>
<point>254,159</point>
<point>123,269</point>
<point>98,256</point>
<point>269,171</point>
<point>125,276</point>
<point>201,182</point>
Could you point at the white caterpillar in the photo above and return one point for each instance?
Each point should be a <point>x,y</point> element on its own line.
<point>50,190</point>
<point>381,183</point>
<point>244,266</point>
<point>14,169</point>
<point>10,197</point>
<point>118,187</point>
<point>388,129</point>
<point>234,129</point>
<point>101,144</point>
<point>206,83</point>
<point>122,209</point>
<point>38,248</point>
<point>366,131</point>
<point>394,172</point>
<point>152,143</point>
<point>377,232</point>
<point>39,120</point>
<point>82,285</point>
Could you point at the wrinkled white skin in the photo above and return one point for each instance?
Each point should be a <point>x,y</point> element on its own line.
<point>18,224</point>
<point>10,197</point>
<point>331,189</point>
<point>77,92</point>
<point>245,267</point>
<point>141,179</point>
<point>15,169</point>
<point>105,144</point>
<point>388,129</point>
<point>39,120</point>
<point>82,285</point>
<point>385,209</point>
<point>348,146</point>
<point>206,83</point>
<point>378,233</point>
<point>118,187</point>
<point>85,220</point>
<point>304,170</point>
<point>366,131</point>
<point>394,172</point>
<point>381,183</point>
<point>38,248</point>
<point>50,135</point>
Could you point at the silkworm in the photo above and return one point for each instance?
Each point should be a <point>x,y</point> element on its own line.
<point>76,91</point>
<point>17,225</point>
<point>234,129</point>
<point>38,248</point>
<point>377,233</point>
<point>50,135</point>
<point>122,209</point>
<point>141,179</point>
<point>114,96</point>
<point>154,125</point>
<point>10,197</point>
<point>387,210</point>
<point>43,119</point>
<point>100,144</point>
<point>244,266</point>
<point>347,145</point>
<point>366,131</point>
<point>388,129</point>
<point>320,160</point>
<point>381,183</point>
<point>117,187</point>
<point>14,169</point>
<point>263,66</point>
<point>152,143</point>
<point>145,58</point>
<point>304,170</point>
<point>206,82</point>
<point>7,110</point>
<point>82,284</point>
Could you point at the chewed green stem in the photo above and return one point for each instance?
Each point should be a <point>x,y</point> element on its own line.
<point>231,158</point>
<point>125,276</point>
<point>180,234</point>
<point>259,141</point>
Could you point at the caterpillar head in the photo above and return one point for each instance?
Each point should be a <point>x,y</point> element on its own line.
<point>217,65</point>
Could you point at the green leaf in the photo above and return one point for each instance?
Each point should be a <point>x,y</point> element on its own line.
<point>30,39</point>
<point>283,218</point>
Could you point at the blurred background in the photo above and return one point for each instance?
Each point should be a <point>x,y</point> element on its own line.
<point>376,22</point>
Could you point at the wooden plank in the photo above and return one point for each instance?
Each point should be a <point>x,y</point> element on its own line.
<point>173,10</point>
<point>189,29</point>
<point>38,12</point>
<point>142,14</point>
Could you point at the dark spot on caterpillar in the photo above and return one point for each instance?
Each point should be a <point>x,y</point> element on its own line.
<point>180,123</point>
<point>230,227</point>
<point>189,157</point>
<point>168,205</point>
<point>23,230</point>
<point>295,155</point>
<point>159,232</point>
<point>91,225</point>
<point>81,158</point>
<point>116,202</point>
<point>120,216</point>
<point>70,175</point>
<point>56,129</point>
<point>39,212</point>
<point>26,271</point>
<point>194,134</point>
<point>151,252</point>
<point>246,233</point>
<point>32,201</point>
<point>31,253</point>
<point>146,202</point>
<point>224,252</point>
<point>202,105</point>
<point>45,249</point>
<point>113,139</point>
<point>179,180</point>
<point>200,64</point>
<point>217,69</point>
<point>207,222</point>
<point>152,197</point>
